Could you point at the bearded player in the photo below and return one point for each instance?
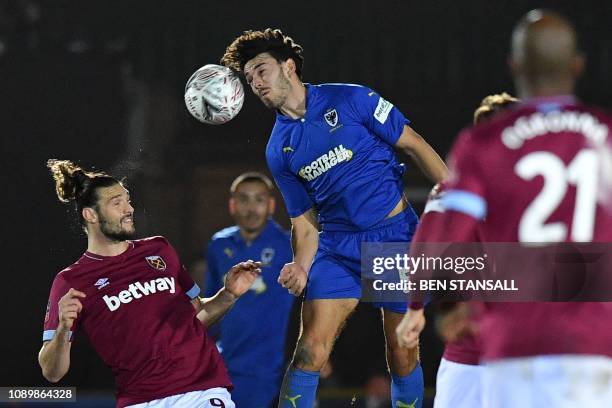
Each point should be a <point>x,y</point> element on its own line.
<point>136,304</point>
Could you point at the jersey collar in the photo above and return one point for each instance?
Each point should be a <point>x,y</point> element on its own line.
<point>553,99</point>
<point>265,234</point>
<point>95,257</point>
<point>311,96</point>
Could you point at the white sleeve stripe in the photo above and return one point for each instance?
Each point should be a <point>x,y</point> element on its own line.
<point>194,291</point>
<point>49,334</point>
<point>465,202</point>
<point>434,205</point>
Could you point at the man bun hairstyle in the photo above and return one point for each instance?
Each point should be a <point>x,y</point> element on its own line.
<point>73,184</point>
<point>252,43</point>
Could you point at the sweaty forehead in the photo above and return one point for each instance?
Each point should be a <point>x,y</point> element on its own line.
<point>260,58</point>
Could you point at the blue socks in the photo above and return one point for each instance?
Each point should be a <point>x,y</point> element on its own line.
<point>300,389</point>
<point>407,392</point>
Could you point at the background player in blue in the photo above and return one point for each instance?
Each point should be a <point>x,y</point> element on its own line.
<point>253,334</point>
<point>331,154</point>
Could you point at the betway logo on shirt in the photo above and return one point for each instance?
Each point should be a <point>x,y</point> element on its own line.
<point>325,162</point>
<point>138,290</point>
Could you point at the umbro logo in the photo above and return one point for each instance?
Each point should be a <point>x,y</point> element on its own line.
<point>100,283</point>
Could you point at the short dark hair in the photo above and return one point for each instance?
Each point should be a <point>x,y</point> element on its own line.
<point>252,43</point>
<point>252,176</point>
<point>73,184</point>
<point>492,104</point>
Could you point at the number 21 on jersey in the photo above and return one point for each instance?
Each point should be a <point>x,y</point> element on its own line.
<point>581,172</point>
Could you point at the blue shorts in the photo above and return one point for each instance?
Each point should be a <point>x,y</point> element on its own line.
<point>336,270</point>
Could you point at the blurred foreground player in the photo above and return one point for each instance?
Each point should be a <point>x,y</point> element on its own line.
<point>551,157</point>
<point>331,155</point>
<point>136,304</point>
<point>253,334</point>
<point>458,383</point>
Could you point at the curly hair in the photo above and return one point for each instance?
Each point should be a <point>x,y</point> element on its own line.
<point>252,43</point>
<point>492,104</point>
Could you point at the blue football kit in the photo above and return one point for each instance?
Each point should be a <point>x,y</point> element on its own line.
<point>339,160</point>
<point>252,335</point>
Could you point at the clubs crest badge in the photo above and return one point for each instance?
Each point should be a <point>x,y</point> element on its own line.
<point>331,117</point>
<point>156,262</point>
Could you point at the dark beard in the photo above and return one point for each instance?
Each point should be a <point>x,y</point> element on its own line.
<point>115,234</point>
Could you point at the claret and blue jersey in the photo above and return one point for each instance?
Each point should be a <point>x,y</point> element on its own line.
<point>339,157</point>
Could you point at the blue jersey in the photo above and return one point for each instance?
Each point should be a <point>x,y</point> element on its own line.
<point>339,157</point>
<point>253,333</point>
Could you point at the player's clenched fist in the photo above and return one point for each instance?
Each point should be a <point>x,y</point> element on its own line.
<point>410,328</point>
<point>293,278</point>
<point>69,307</point>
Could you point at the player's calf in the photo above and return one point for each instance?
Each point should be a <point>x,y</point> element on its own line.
<point>407,386</point>
<point>400,360</point>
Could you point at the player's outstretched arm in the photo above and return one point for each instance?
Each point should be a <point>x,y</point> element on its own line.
<point>430,163</point>
<point>54,356</point>
<point>237,281</point>
<point>305,241</point>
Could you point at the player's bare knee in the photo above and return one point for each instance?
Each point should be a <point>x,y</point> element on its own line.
<point>311,355</point>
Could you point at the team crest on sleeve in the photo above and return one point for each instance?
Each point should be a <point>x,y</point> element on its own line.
<point>331,117</point>
<point>156,262</point>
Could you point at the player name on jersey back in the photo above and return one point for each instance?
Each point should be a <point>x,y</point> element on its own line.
<point>538,124</point>
<point>138,290</point>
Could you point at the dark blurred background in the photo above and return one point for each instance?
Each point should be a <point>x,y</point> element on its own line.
<point>101,83</point>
